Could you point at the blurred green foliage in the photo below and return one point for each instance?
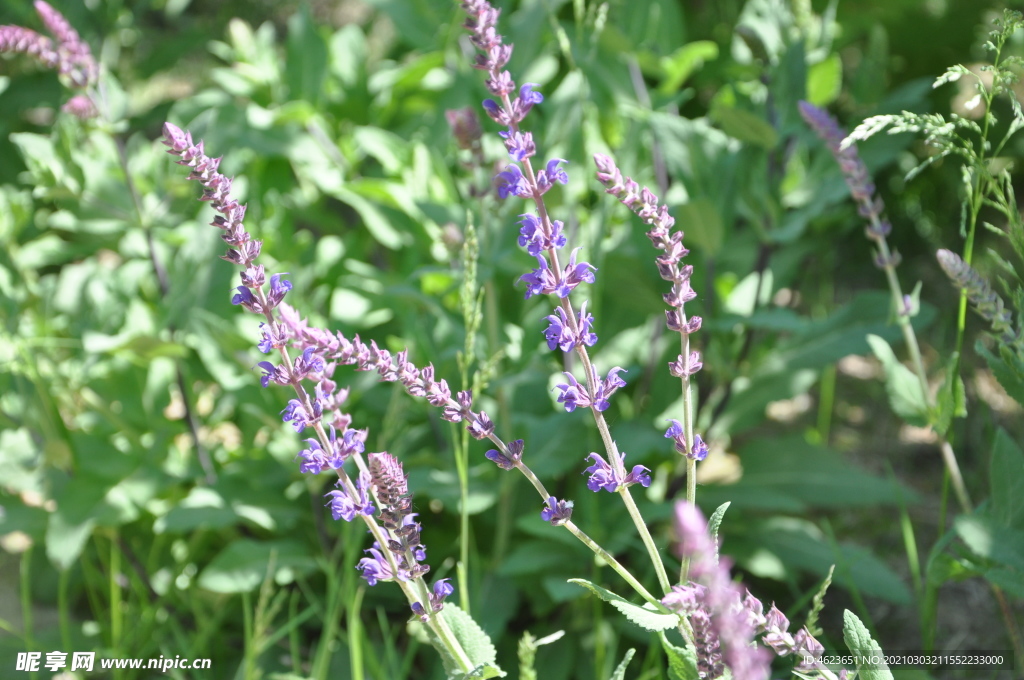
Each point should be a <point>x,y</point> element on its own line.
<point>153,478</point>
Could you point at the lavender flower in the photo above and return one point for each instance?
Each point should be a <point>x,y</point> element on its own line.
<point>573,394</point>
<point>986,301</point>
<point>375,568</point>
<point>555,511</point>
<point>604,476</point>
<point>720,613</point>
<point>511,182</point>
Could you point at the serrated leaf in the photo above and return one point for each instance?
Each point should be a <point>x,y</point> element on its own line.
<point>474,642</point>
<point>645,618</point>
<point>682,662</point>
<point>620,670</point>
<point>1008,370</point>
<point>904,389</point>
<point>716,522</point>
<point>1006,475</point>
<point>861,645</point>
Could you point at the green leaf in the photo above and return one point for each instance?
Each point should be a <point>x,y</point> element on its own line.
<point>474,642</point>
<point>682,63</point>
<point>1006,475</point>
<point>682,662</point>
<point>745,126</point>
<point>825,81</point>
<point>904,389</point>
<point>858,639</point>
<point>376,222</point>
<point>307,57</point>
<point>242,565</point>
<point>65,539</point>
<point>1007,368</point>
<point>620,670</point>
<point>990,540</point>
<point>716,522</point>
<point>641,616</point>
<point>705,228</point>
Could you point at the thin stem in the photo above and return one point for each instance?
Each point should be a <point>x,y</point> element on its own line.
<point>645,535</point>
<point>910,339</point>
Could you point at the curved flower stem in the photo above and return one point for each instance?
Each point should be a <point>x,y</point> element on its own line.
<point>910,339</point>
<point>587,540</point>
<point>590,374</point>
<point>614,564</point>
<point>645,535</point>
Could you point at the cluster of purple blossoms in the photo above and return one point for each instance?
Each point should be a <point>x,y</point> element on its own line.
<point>773,628</point>
<point>714,603</point>
<point>556,512</point>
<point>320,353</point>
<point>697,452</point>
<point>344,506</point>
<point>573,394</point>
<point>70,56</point>
<point>858,180</point>
<point>604,476</point>
<point>564,335</point>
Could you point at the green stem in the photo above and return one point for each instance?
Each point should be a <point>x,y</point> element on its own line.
<point>910,339</point>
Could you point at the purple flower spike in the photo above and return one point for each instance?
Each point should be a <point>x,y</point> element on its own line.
<point>528,96</point>
<point>442,589</point>
<point>556,512</point>
<point>533,237</point>
<point>245,298</point>
<point>299,417</point>
<point>278,288</point>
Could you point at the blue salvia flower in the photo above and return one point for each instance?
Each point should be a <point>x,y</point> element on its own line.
<point>560,333</point>
<point>507,461</point>
<point>604,476</point>
<point>533,237</point>
<point>442,589</point>
<point>555,511</point>
<point>344,506</point>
